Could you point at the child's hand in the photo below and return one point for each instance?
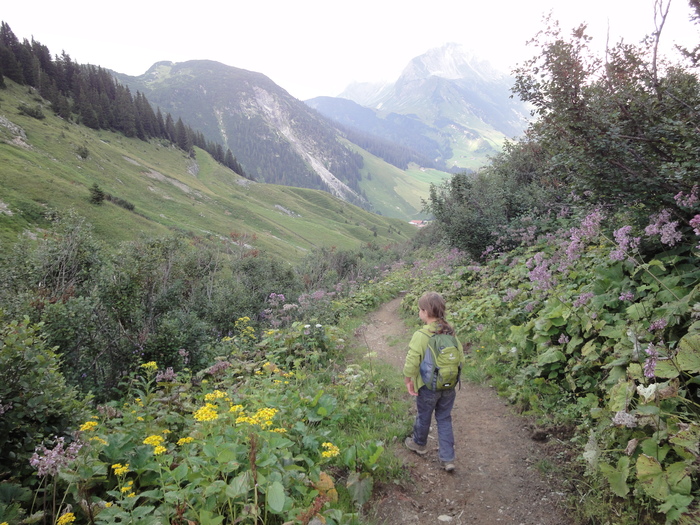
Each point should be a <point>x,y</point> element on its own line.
<point>409,386</point>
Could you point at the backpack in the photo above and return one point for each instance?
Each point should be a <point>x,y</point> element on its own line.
<point>442,362</point>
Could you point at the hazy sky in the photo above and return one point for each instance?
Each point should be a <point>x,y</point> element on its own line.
<point>317,47</point>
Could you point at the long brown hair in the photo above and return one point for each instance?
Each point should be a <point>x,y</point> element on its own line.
<point>434,305</point>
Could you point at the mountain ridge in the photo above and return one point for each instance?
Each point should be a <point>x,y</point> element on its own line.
<point>51,165</point>
<point>466,103</point>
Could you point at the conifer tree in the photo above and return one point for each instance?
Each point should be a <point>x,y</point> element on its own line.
<point>182,138</point>
<point>170,133</point>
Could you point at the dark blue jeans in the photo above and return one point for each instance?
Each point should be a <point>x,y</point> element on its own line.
<point>440,402</point>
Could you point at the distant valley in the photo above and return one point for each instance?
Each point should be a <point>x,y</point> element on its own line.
<point>447,112</point>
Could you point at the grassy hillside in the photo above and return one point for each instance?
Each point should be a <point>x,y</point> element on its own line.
<point>394,192</point>
<point>51,164</point>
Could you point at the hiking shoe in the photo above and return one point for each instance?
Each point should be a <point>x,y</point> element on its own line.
<point>448,466</point>
<point>415,447</point>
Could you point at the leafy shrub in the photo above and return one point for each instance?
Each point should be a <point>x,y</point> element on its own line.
<point>34,112</point>
<point>35,401</point>
<point>120,202</point>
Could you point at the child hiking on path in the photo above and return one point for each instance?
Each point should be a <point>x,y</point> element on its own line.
<point>438,395</point>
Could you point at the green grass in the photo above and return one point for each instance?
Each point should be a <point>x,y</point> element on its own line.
<point>170,192</point>
<point>395,193</point>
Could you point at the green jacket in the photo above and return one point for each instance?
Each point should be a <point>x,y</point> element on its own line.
<point>416,352</point>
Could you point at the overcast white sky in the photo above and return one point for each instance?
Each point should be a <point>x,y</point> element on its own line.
<point>317,47</point>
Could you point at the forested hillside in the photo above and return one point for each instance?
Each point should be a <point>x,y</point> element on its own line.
<point>277,139</point>
<point>91,96</point>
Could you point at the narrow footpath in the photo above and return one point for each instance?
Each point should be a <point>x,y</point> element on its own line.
<point>496,480</point>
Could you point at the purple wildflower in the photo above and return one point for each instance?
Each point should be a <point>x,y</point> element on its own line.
<point>687,200</point>
<point>53,459</point>
<point>695,223</point>
<point>511,294</point>
<point>583,299</point>
<point>563,339</point>
<point>624,243</point>
<point>540,274</point>
<point>626,296</point>
<point>659,324</point>
<point>665,228</point>
<point>650,363</point>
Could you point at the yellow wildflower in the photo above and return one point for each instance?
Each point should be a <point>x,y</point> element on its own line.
<point>108,504</point>
<point>151,366</point>
<point>160,449</point>
<point>246,419</point>
<point>185,440</point>
<point>166,431</point>
<point>236,408</point>
<point>280,430</point>
<point>154,440</point>
<point>331,450</point>
<point>206,413</point>
<point>95,438</point>
<point>66,518</point>
<point>120,469</point>
<point>216,394</point>
<point>139,418</point>
<point>88,426</point>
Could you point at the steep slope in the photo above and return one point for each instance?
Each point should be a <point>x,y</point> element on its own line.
<point>52,164</point>
<point>463,104</point>
<point>274,136</point>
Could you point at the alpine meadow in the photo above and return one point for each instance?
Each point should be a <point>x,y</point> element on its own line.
<point>188,258</point>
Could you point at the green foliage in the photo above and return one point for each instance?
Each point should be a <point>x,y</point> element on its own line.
<point>97,196</point>
<point>473,211</point>
<point>35,400</point>
<point>34,112</point>
<point>244,440</point>
<point>572,334</point>
<point>622,128</point>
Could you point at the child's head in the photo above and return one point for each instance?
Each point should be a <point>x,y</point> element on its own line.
<point>433,304</point>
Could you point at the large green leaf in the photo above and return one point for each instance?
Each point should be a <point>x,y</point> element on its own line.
<point>659,483</point>
<point>620,395</point>
<point>360,487</point>
<point>688,439</point>
<point>275,497</point>
<point>239,486</point>
<point>651,476</point>
<point>617,476</point>
<point>553,355</point>
<point>688,357</point>
<point>666,369</point>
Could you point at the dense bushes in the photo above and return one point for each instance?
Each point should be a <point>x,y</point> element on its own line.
<point>107,311</point>
<point>598,331</point>
<point>262,428</point>
<point>36,403</point>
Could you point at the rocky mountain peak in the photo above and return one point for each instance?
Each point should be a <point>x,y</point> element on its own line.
<point>450,61</point>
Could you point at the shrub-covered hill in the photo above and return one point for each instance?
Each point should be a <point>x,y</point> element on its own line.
<point>126,187</point>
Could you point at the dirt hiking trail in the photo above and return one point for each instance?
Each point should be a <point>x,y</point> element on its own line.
<point>495,481</point>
